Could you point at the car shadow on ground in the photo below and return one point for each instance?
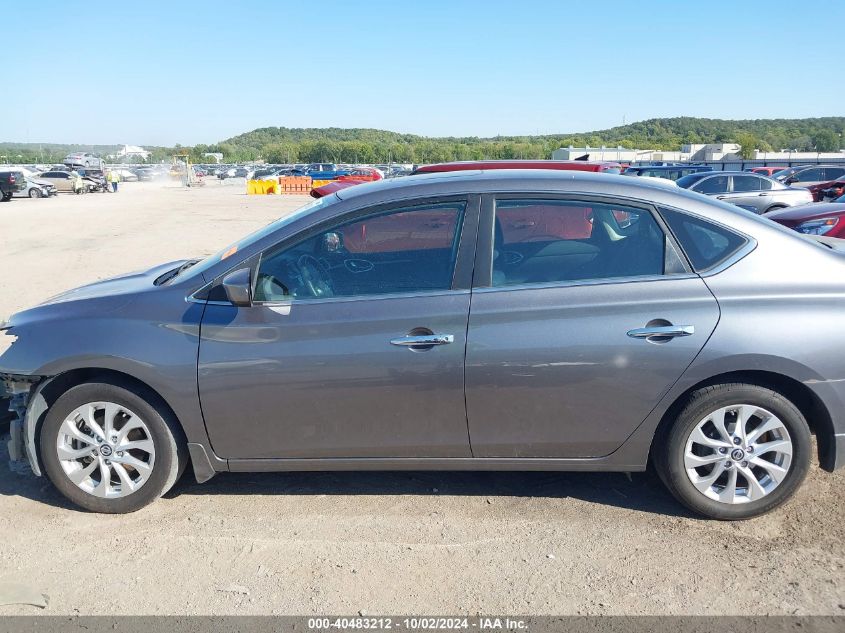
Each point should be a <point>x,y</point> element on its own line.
<point>638,491</point>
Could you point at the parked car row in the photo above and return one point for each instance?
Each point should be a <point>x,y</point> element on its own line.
<point>809,198</point>
<point>779,198</point>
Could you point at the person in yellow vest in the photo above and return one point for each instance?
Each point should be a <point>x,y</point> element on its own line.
<point>113,177</point>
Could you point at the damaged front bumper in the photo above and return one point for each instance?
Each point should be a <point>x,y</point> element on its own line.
<point>27,405</point>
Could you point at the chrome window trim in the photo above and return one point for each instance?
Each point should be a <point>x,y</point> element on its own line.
<point>587,282</point>
<point>388,295</point>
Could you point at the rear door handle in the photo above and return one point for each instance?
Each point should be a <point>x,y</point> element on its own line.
<point>425,340</point>
<point>670,331</point>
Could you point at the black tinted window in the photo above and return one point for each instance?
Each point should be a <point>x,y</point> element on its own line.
<point>705,243</point>
<point>746,183</point>
<point>832,173</point>
<point>714,184</point>
<point>408,250</point>
<point>809,175</point>
<point>547,241</point>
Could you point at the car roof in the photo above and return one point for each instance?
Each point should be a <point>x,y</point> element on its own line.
<point>729,172</point>
<point>806,211</point>
<point>575,185</point>
<point>562,165</point>
<point>671,167</point>
<point>517,180</point>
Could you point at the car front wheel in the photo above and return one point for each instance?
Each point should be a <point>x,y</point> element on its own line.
<point>34,193</point>
<point>110,449</point>
<point>735,451</point>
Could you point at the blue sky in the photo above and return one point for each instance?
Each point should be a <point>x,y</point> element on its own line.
<point>159,73</point>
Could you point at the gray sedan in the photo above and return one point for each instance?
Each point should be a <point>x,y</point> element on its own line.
<point>750,191</point>
<point>512,320</point>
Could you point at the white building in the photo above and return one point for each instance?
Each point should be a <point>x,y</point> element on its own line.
<point>695,153</point>
<point>618,154</point>
<point>133,151</point>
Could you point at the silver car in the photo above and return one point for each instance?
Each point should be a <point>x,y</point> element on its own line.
<point>508,319</point>
<point>83,159</point>
<point>753,192</point>
<point>809,175</point>
<point>36,188</point>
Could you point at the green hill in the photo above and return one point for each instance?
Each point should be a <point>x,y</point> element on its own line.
<point>365,145</point>
<point>281,144</point>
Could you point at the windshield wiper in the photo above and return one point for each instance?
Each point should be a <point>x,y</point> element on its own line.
<point>168,276</point>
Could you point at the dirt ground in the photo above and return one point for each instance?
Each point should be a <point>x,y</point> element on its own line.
<point>374,543</point>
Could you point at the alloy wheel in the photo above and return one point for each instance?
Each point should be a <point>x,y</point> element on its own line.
<point>105,449</point>
<point>738,454</point>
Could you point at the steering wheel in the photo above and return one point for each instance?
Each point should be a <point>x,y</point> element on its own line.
<point>315,277</point>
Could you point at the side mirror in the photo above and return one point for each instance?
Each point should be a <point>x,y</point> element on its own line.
<point>238,287</point>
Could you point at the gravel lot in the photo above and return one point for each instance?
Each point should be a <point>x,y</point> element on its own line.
<point>405,543</point>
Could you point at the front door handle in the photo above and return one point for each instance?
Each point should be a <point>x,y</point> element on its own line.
<point>667,331</point>
<point>424,340</point>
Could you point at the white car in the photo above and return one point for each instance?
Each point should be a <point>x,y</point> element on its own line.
<point>36,188</point>
<point>126,175</point>
<point>83,159</point>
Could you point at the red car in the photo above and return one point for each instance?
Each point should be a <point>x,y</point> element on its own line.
<point>765,171</point>
<point>829,190</point>
<point>362,174</point>
<point>359,175</point>
<point>825,218</point>
<point>566,165</point>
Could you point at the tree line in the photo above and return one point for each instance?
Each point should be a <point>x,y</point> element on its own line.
<point>363,145</point>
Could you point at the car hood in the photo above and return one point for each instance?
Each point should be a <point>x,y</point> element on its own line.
<point>115,286</point>
<point>801,213</point>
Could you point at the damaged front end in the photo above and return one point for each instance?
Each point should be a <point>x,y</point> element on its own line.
<point>27,405</point>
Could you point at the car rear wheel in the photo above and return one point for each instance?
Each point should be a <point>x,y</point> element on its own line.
<point>34,193</point>
<point>109,449</point>
<point>735,451</point>
<point>6,197</point>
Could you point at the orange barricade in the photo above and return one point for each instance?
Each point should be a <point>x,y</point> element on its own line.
<point>300,185</point>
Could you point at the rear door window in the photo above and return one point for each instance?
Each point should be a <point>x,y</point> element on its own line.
<point>743,184</point>
<point>549,241</point>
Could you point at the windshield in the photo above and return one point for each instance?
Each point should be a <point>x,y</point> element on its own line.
<point>689,180</point>
<point>783,173</point>
<point>201,266</point>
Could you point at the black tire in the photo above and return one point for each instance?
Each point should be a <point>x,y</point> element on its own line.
<point>171,454</point>
<point>34,193</point>
<point>671,445</point>
<point>6,197</point>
